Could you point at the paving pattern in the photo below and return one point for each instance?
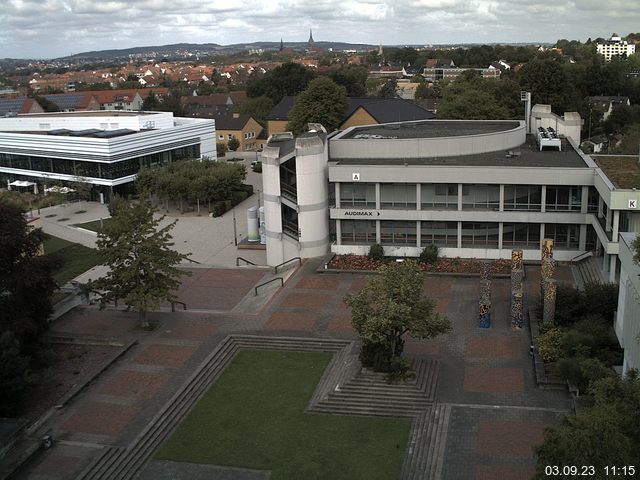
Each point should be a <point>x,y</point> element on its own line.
<point>485,414</point>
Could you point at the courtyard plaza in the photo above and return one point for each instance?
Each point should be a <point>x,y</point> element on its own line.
<point>486,381</point>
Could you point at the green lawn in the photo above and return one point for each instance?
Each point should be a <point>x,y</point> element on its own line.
<point>74,258</point>
<point>253,417</point>
<point>94,225</point>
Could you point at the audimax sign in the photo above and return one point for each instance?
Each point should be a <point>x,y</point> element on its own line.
<point>361,213</point>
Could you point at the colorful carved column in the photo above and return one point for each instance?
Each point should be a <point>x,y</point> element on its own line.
<point>484,308</point>
<point>549,304</point>
<point>547,266</point>
<point>517,289</point>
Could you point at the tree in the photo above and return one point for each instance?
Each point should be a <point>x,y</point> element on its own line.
<point>287,79</point>
<point>151,102</point>
<point>322,102</point>
<point>548,82</point>
<point>636,249</point>
<point>391,305</point>
<point>258,108</point>
<point>471,105</point>
<point>353,78</point>
<point>388,90</point>
<point>606,434</point>
<point>26,282</point>
<point>233,144</point>
<point>142,265</point>
<point>14,374</point>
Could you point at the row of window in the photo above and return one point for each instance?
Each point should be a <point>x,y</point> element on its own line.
<point>111,170</point>
<point>474,197</point>
<point>247,136</point>
<point>473,234</point>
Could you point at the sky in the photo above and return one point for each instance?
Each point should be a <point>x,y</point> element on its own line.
<point>54,28</point>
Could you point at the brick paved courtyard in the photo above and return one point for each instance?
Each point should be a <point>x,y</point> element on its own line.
<point>498,413</point>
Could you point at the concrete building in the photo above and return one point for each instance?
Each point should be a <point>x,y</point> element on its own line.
<point>102,148</point>
<point>474,188</point>
<point>627,322</point>
<point>615,47</point>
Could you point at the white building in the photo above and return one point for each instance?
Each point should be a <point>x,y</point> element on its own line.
<point>615,47</point>
<point>473,188</point>
<point>627,324</point>
<point>102,148</point>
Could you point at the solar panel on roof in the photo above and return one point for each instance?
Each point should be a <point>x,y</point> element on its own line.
<point>8,105</point>
<point>66,101</point>
<point>113,133</point>
<point>60,131</point>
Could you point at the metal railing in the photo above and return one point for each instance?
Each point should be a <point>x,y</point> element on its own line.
<point>275,269</point>
<point>173,305</point>
<point>193,261</point>
<point>582,256</point>
<point>267,283</point>
<point>248,262</point>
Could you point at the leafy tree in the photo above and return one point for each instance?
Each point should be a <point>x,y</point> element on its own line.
<point>322,102</point>
<point>391,305</point>
<point>26,280</point>
<point>287,79</point>
<point>151,103</point>
<point>548,82</point>
<point>636,249</point>
<point>221,149</point>
<point>353,78</point>
<point>388,90</point>
<point>606,434</point>
<point>471,105</point>
<point>14,374</point>
<point>233,144</point>
<point>258,108</point>
<point>142,265</point>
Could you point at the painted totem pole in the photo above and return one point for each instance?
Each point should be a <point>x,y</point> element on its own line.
<point>517,290</point>
<point>484,307</point>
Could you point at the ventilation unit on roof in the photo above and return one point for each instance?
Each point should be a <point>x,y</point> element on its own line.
<point>548,137</point>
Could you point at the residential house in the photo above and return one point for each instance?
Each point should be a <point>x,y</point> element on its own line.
<point>615,47</point>
<point>14,106</point>
<point>73,102</point>
<point>605,104</point>
<point>242,127</point>
<point>359,111</point>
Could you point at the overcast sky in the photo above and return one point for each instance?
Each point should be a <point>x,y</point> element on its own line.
<point>53,28</point>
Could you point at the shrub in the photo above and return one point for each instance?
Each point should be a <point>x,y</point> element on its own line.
<point>14,374</point>
<point>218,208</point>
<point>376,252</point>
<point>549,344</point>
<point>238,197</point>
<point>246,188</point>
<point>568,305</point>
<point>581,371</point>
<point>429,254</point>
<point>600,299</point>
<point>257,167</point>
<point>378,355</point>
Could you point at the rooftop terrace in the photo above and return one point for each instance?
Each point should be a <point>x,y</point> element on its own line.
<point>430,129</point>
<point>623,171</point>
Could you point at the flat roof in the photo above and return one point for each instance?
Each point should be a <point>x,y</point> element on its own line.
<point>90,113</point>
<point>526,155</point>
<point>431,129</point>
<point>622,170</point>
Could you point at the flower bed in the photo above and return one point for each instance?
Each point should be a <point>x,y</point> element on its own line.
<point>442,265</point>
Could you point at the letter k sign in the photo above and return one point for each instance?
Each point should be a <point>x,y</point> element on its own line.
<point>633,203</point>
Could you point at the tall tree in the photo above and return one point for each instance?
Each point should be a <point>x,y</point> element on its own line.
<point>388,90</point>
<point>142,265</point>
<point>26,282</point>
<point>287,79</point>
<point>548,82</point>
<point>258,108</point>
<point>391,305</point>
<point>322,102</point>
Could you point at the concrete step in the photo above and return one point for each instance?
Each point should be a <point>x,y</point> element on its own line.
<point>370,411</point>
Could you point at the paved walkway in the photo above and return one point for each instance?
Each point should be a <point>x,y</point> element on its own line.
<point>486,376</point>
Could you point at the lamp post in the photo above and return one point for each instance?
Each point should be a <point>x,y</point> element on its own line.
<point>235,232</point>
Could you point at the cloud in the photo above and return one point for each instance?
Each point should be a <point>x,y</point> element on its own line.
<point>49,28</point>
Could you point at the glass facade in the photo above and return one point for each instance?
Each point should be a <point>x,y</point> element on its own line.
<point>439,196</point>
<point>480,197</point>
<point>443,234</point>
<point>398,232</point>
<point>563,236</point>
<point>521,235</point>
<point>523,197</point>
<point>398,195</point>
<point>106,170</point>
<point>563,199</point>
<point>358,195</point>
<point>357,232</point>
<point>483,235</point>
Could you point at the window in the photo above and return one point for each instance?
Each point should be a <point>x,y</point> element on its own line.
<point>563,236</point>
<point>480,197</point>
<point>523,197</point>
<point>357,232</point>
<point>592,201</point>
<point>220,137</point>
<point>564,198</point>
<point>521,235</point>
<point>443,234</point>
<point>439,196</point>
<point>398,195</point>
<point>398,232</point>
<point>357,195</point>
<point>229,136</point>
<point>479,235</point>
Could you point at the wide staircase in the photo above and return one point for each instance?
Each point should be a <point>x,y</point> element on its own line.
<point>589,270</point>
